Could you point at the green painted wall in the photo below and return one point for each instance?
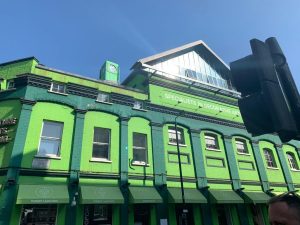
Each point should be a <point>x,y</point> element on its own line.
<point>246,164</point>
<point>140,125</point>
<point>103,120</point>
<point>52,112</point>
<point>275,175</point>
<point>294,173</point>
<point>173,167</point>
<point>192,103</point>
<point>8,109</point>
<point>10,70</point>
<point>213,160</point>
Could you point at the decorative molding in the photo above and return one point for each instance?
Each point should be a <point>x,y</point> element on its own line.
<point>99,175</point>
<point>79,90</point>
<point>27,101</point>
<point>193,92</point>
<point>155,124</point>
<point>194,131</point>
<point>227,137</point>
<point>215,181</point>
<point>124,119</point>
<point>177,179</point>
<point>278,145</point>
<point>121,99</point>
<point>254,142</point>
<point>33,80</point>
<point>80,111</point>
<point>140,177</point>
<point>44,173</point>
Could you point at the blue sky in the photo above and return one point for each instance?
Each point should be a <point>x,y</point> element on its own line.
<point>78,36</point>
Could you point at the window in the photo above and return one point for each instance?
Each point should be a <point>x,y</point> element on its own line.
<point>39,214</point>
<point>10,84</point>
<point>241,146</point>
<point>101,143</point>
<point>269,158</point>
<point>211,141</point>
<point>138,105</point>
<point>172,135</point>
<point>139,148</point>
<point>97,214</point>
<point>50,139</point>
<point>58,88</point>
<point>103,97</point>
<point>292,161</point>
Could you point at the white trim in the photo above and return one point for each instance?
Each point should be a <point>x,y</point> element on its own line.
<point>246,154</point>
<point>54,92</point>
<point>48,156</point>
<point>175,144</point>
<point>214,149</point>
<point>100,160</point>
<point>272,168</point>
<point>140,163</point>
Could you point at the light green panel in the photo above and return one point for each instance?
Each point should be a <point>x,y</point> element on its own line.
<point>98,181</point>
<point>215,162</point>
<point>244,162</point>
<point>140,182</point>
<point>178,185</point>
<point>10,70</point>
<point>52,112</point>
<point>8,109</point>
<point>174,158</point>
<point>220,186</point>
<point>191,103</point>
<point>274,175</point>
<point>211,171</point>
<point>173,168</point>
<point>42,180</point>
<point>294,173</point>
<point>279,189</point>
<point>252,188</point>
<point>103,120</point>
<point>140,125</point>
<point>60,77</point>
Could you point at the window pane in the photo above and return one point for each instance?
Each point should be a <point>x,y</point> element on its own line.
<point>101,135</point>
<point>103,97</point>
<point>139,140</point>
<point>139,155</point>
<point>52,129</point>
<point>100,151</point>
<point>49,147</point>
<point>172,135</point>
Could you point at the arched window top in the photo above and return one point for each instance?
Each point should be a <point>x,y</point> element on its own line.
<point>241,146</point>
<point>269,157</point>
<point>292,161</point>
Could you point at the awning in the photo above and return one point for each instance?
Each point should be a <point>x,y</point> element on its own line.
<point>144,195</point>
<point>101,195</point>
<point>225,197</point>
<point>256,197</point>
<point>43,194</point>
<point>190,196</point>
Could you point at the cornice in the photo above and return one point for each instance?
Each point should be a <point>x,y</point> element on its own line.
<point>121,99</point>
<point>83,91</point>
<point>33,80</point>
<point>27,101</point>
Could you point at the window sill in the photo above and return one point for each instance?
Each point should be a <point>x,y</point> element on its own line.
<point>107,103</point>
<point>175,144</point>
<point>143,110</point>
<point>245,154</point>
<point>7,90</point>
<point>272,168</point>
<point>100,160</point>
<point>64,94</point>
<point>47,157</point>
<point>295,170</point>
<point>137,163</point>
<point>213,149</point>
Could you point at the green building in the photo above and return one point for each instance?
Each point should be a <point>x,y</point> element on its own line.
<point>81,151</point>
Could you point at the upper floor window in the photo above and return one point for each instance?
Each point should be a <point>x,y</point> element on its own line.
<point>10,84</point>
<point>103,97</point>
<point>139,148</point>
<point>241,146</point>
<point>138,105</point>
<point>270,160</point>
<point>58,88</point>
<point>101,143</point>
<point>50,140</point>
<point>211,141</point>
<point>172,135</point>
<point>292,161</point>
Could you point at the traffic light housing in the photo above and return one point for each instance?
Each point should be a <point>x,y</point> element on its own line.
<point>270,100</point>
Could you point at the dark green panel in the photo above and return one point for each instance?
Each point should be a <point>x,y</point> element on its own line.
<point>256,197</point>
<point>190,196</point>
<point>140,195</point>
<point>101,195</point>
<point>225,197</point>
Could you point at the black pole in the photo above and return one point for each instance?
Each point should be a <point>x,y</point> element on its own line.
<point>184,211</point>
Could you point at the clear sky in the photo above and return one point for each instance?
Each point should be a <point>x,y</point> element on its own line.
<point>78,36</point>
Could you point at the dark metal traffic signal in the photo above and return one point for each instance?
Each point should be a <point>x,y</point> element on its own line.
<point>270,100</point>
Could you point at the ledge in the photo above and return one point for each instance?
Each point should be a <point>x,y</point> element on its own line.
<point>142,110</point>
<point>107,103</point>
<point>100,160</point>
<point>136,163</point>
<point>47,157</point>
<point>272,168</point>
<point>245,154</point>
<point>175,144</point>
<point>213,149</point>
<point>58,93</point>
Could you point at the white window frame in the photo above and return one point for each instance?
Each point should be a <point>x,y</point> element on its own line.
<point>244,150</point>
<point>102,144</point>
<point>105,99</point>
<point>180,134</point>
<point>57,90</point>
<point>269,157</point>
<point>292,161</point>
<point>51,138</point>
<point>10,84</point>
<point>139,105</point>
<point>211,137</point>
<point>140,148</point>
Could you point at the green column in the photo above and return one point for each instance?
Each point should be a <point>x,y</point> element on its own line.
<point>260,166</point>
<point>159,166</point>
<point>285,167</point>
<point>75,166</point>
<point>124,167</point>
<point>231,160</point>
<point>8,196</point>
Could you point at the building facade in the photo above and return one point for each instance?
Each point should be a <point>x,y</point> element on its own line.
<point>75,150</point>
